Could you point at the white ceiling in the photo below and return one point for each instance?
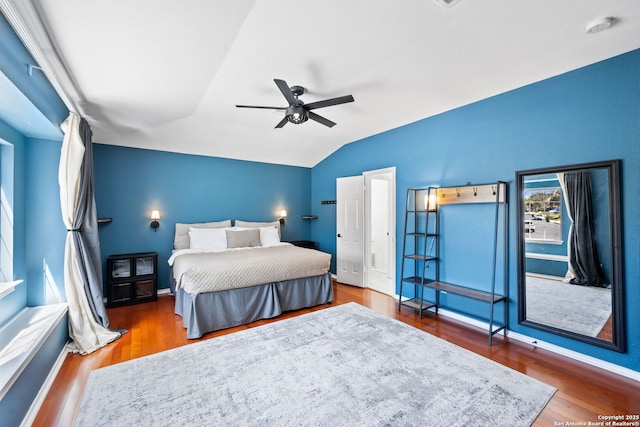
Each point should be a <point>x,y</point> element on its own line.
<point>166,74</point>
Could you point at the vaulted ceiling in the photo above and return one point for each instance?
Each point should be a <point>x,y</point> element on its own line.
<point>167,74</point>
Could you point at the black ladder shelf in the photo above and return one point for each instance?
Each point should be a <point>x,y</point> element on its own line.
<point>417,248</point>
<point>421,248</point>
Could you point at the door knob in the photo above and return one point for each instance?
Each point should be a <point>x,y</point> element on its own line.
<point>339,235</point>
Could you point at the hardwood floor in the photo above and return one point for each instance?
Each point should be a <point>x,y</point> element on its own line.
<point>584,392</point>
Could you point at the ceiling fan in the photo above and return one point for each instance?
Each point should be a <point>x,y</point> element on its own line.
<point>298,112</point>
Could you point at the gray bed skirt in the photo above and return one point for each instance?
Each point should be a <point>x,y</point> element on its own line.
<point>212,311</point>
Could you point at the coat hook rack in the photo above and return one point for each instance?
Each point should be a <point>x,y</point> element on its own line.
<point>470,193</point>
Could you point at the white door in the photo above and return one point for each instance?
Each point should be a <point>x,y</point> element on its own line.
<point>350,230</point>
<point>380,225</point>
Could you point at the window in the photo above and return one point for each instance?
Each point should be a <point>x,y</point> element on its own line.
<point>6,212</point>
<point>543,211</point>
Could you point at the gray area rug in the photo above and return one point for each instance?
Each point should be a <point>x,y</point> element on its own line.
<point>580,309</point>
<point>341,366</point>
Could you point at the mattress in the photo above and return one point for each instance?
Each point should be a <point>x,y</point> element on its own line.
<point>199,272</point>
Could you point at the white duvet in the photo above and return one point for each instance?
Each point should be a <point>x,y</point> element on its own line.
<point>200,271</point>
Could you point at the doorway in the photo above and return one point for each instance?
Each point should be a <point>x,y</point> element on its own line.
<point>380,226</point>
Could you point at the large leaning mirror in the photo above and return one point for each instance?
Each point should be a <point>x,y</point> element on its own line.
<point>569,253</point>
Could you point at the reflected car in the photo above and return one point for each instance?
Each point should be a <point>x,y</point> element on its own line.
<point>529,226</point>
<point>539,217</point>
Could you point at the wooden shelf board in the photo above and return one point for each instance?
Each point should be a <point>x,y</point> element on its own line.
<point>418,257</point>
<point>415,304</point>
<point>464,291</point>
<point>417,280</point>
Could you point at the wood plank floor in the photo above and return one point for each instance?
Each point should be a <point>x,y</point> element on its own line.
<point>584,392</point>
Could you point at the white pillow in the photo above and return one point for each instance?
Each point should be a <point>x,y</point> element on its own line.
<point>181,239</point>
<point>269,236</point>
<point>207,238</point>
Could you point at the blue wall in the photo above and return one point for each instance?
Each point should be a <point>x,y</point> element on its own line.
<point>589,114</point>
<point>46,232</point>
<point>16,301</point>
<point>38,231</point>
<point>38,235</point>
<point>130,182</point>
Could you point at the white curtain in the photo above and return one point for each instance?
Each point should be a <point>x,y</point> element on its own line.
<point>87,333</point>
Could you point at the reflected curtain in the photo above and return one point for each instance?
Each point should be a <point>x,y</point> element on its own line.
<point>88,321</point>
<point>584,264</point>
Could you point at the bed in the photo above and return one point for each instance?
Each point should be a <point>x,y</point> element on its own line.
<point>224,276</point>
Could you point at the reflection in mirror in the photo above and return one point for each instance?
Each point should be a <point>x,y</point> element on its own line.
<point>570,279</point>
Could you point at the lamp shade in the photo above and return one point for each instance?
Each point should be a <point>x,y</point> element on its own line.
<point>430,201</point>
<point>155,214</point>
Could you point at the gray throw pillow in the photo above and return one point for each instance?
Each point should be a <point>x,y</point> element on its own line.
<point>243,238</point>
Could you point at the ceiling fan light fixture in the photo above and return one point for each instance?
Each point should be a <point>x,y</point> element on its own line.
<point>296,114</point>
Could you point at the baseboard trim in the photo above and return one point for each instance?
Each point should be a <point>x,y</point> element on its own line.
<point>589,360</point>
<point>598,363</point>
<point>44,389</point>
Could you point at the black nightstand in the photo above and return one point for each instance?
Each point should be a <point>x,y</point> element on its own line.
<point>132,278</point>
<point>304,243</point>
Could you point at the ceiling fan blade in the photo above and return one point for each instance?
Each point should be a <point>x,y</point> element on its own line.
<point>320,119</point>
<point>284,88</point>
<point>282,123</point>
<point>329,102</point>
<point>261,106</point>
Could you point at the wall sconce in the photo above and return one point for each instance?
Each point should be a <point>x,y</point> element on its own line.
<point>283,215</point>
<point>155,217</point>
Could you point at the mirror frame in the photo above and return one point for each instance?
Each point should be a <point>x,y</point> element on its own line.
<point>617,297</point>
